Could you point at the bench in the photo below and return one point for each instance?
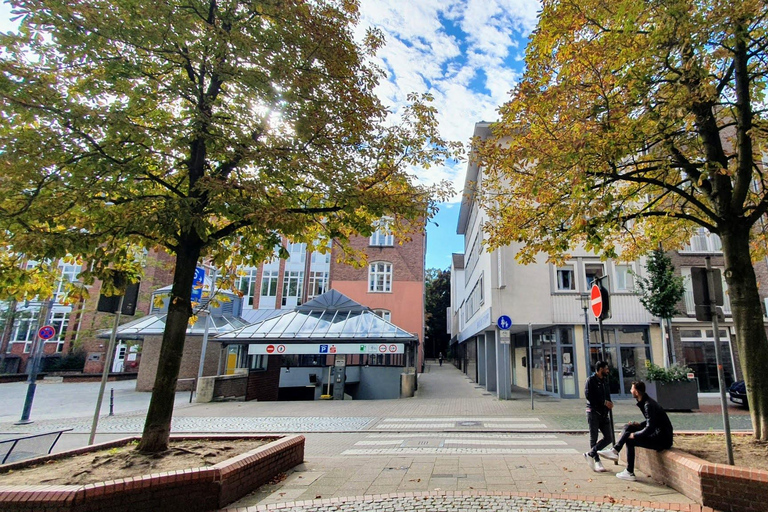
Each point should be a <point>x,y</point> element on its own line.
<point>720,486</point>
<point>26,447</point>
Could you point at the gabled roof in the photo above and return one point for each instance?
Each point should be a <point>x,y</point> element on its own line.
<point>331,316</point>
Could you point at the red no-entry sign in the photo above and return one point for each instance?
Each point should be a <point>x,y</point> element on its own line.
<point>596,301</point>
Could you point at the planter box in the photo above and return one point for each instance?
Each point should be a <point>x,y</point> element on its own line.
<point>720,486</point>
<point>189,490</point>
<point>674,396</point>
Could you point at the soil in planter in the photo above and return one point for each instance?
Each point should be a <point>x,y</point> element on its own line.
<point>747,452</point>
<point>125,461</point>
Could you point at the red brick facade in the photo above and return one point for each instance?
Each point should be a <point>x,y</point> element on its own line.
<point>406,300</point>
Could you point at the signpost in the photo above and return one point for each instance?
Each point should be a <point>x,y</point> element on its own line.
<point>599,302</point>
<point>44,333</point>
<point>707,296</point>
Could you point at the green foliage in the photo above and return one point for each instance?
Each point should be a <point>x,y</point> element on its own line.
<point>662,290</point>
<point>438,300</point>
<point>207,128</point>
<point>675,373</point>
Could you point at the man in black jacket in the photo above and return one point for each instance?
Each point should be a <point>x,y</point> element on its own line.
<point>654,433</point>
<point>599,403</point>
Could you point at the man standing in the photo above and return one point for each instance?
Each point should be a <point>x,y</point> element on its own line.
<point>440,358</point>
<point>654,433</point>
<point>598,406</point>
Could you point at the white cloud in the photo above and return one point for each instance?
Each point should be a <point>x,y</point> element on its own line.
<point>465,52</point>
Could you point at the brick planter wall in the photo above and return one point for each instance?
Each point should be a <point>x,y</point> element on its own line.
<point>189,490</point>
<point>720,486</point>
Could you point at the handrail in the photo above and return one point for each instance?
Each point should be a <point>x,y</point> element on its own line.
<point>16,440</point>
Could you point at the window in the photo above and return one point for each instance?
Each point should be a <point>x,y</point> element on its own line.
<point>383,235</point>
<point>293,281</point>
<point>380,277</point>
<point>475,299</point>
<point>247,285</point>
<point>625,281</point>
<point>60,321</point>
<point>68,275</point>
<point>257,362</point>
<point>383,313</point>
<point>297,253</point>
<point>593,271</point>
<point>269,283</point>
<point>566,279</point>
<point>690,307</point>
<point>24,330</point>
<point>318,284</point>
<point>704,241</point>
<point>318,257</point>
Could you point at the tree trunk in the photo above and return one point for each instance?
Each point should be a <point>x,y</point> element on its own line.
<point>748,319</point>
<point>157,427</point>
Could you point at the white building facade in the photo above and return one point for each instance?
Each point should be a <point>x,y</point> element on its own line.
<point>547,347</point>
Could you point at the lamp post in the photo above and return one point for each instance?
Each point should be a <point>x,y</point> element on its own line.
<point>585,302</point>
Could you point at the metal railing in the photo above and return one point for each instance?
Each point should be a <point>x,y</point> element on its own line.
<point>26,447</point>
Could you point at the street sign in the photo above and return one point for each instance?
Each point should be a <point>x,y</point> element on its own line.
<point>596,301</point>
<point>46,332</point>
<point>197,284</point>
<point>504,337</point>
<point>504,322</point>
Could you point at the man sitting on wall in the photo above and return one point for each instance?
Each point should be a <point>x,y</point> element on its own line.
<point>654,433</point>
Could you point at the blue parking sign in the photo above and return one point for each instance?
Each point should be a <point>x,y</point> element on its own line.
<point>323,349</point>
<point>197,284</point>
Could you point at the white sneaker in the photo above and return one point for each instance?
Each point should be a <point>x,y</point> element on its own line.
<point>626,475</point>
<point>590,461</point>
<point>599,467</point>
<point>609,453</point>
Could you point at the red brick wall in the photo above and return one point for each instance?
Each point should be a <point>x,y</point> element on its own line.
<point>722,487</point>
<point>263,385</point>
<point>190,361</point>
<point>190,490</point>
<point>406,301</point>
<point>157,273</point>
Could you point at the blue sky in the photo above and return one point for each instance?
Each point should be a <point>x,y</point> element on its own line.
<point>467,53</point>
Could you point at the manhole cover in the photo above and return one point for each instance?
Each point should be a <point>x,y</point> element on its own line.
<point>469,424</point>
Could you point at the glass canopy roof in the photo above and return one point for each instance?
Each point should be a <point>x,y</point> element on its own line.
<point>331,316</point>
<point>154,325</point>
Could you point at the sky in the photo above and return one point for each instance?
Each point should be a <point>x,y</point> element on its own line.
<point>467,53</point>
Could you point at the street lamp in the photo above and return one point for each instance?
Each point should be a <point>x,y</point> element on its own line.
<point>585,301</point>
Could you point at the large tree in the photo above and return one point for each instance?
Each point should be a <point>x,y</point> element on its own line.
<point>635,123</point>
<point>437,302</point>
<point>206,127</point>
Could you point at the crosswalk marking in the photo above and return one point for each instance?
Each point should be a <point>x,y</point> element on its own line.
<point>477,443</point>
<point>495,419</point>
<point>460,423</point>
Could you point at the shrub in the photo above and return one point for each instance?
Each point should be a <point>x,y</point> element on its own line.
<point>675,373</point>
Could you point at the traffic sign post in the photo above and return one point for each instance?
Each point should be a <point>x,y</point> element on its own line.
<point>44,333</point>
<point>596,301</point>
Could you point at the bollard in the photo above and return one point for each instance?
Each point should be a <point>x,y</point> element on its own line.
<point>112,402</point>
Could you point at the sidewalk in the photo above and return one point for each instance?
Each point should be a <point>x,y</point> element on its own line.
<point>453,446</point>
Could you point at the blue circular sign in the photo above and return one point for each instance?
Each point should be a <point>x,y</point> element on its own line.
<point>46,332</point>
<point>504,322</point>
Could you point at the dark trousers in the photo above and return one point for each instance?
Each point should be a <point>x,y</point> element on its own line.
<point>598,423</point>
<point>654,442</point>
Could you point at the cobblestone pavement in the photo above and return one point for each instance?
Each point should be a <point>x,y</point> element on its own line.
<point>464,503</point>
